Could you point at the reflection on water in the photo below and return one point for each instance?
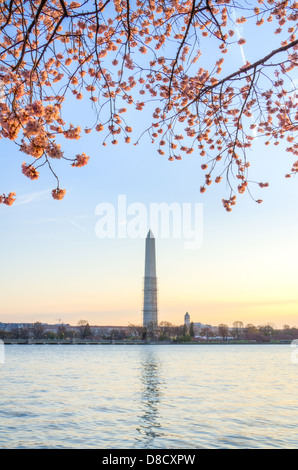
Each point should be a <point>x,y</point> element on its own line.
<point>149,427</point>
<point>159,397</point>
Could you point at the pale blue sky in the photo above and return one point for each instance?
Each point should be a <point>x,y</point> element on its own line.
<point>54,266</point>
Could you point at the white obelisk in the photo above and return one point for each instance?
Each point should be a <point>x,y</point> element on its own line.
<point>150,283</point>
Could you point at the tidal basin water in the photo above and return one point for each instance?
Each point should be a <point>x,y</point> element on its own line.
<point>148,397</point>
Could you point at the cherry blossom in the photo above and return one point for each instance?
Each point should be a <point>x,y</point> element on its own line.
<point>121,56</point>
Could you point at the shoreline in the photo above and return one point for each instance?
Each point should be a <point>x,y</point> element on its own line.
<point>131,342</point>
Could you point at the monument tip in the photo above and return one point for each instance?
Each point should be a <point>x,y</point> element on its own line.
<point>150,234</point>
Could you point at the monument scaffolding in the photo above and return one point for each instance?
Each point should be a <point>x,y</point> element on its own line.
<point>150,309</point>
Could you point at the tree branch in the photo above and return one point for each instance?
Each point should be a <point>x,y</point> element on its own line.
<point>243,70</point>
<point>34,22</point>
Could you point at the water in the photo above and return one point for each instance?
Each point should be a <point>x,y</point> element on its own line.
<point>148,397</point>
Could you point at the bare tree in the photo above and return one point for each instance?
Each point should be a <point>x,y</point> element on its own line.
<point>135,330</point>
<point>165,330</point>
<point>238,328</point>
<point>37,330</point>
<point>207,332</point>
<point>223,330</point>
<point>84,329</point>
<point>62,331</point>
<point>151,331</point>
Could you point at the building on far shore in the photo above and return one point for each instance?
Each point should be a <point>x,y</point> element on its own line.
<point>54,328</point>
<point>197,325</point>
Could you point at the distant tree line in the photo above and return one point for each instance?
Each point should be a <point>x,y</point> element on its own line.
<point>164,331</point>
<point>82,330</point>
<point>38,331</point>
<point>250,332</point>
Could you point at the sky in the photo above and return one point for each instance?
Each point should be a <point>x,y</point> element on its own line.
<point>56,268</point>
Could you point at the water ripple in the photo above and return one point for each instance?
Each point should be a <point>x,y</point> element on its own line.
<point>148,397</point>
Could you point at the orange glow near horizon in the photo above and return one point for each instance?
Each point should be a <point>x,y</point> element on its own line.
<point>109,312</point>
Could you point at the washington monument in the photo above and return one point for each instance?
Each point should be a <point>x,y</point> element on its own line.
<point>150,283</point>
